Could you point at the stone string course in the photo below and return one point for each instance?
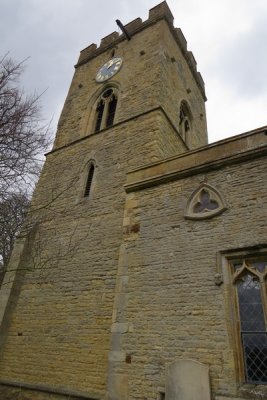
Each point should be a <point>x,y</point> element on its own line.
<point>104,292</point>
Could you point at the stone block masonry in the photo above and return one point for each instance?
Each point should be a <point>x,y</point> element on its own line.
<point>106,291</point>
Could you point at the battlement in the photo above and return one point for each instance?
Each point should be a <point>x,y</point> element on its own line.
<point>157,13</point>
<point>161,11</point>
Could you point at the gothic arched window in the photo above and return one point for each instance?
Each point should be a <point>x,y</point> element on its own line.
<point>185,123</point>
<point>249,279</point>
<point>89,180</point>
<point>105,109</point>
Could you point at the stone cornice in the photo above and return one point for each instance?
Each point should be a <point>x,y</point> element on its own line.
<point>236,149</point>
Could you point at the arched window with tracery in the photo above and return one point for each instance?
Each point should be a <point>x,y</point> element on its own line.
<point>105,109</point>
<point>249,278</point>
<point>185,123</point>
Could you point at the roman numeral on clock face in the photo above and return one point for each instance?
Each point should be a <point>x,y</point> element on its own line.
<point>109,69</point>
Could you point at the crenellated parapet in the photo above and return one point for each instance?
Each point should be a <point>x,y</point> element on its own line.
<point>157,13</point>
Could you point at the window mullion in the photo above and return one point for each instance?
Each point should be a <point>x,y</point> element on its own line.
<point>105,114</point>
<point>264,297</point>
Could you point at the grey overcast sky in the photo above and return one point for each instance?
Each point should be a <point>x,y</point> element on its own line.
<point>227,37</point>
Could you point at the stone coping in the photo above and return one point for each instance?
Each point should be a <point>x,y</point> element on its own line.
<point>157,13</point>
<point>239,148</point>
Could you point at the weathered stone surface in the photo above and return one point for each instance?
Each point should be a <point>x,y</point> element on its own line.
<point>117,285</point>
<point>119,327</point>
<point>187,380</point>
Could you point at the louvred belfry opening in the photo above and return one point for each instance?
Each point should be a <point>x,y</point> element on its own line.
<point>111,111</point>
<point>89,181</point>
<point>105,110</point>
<point>99,115</point>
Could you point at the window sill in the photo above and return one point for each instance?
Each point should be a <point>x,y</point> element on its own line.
<point>255,391</point>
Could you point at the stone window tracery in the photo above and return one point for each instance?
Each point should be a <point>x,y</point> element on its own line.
<point>105,109</point>
<point>249,287</point>
<point>205,202</point>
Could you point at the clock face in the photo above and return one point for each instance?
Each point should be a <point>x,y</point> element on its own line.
<point>109,69</point>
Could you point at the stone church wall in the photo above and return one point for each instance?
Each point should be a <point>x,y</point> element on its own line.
<point>175,310</point>
<point>105,292</point>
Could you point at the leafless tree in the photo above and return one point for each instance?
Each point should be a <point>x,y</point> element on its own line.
<point>12,214</point>
<point>23,138</point>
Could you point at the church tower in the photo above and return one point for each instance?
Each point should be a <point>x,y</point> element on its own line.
<point>154,81</point>
<point>134,100</point>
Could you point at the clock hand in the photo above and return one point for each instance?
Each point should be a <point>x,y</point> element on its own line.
<point>110,64</point>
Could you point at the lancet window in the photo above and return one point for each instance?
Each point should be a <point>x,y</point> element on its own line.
<point>185,123</point>
<point>89,180</point>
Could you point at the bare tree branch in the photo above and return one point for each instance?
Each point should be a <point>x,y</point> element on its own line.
<point>23,138</point>
<point>12,214</point>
